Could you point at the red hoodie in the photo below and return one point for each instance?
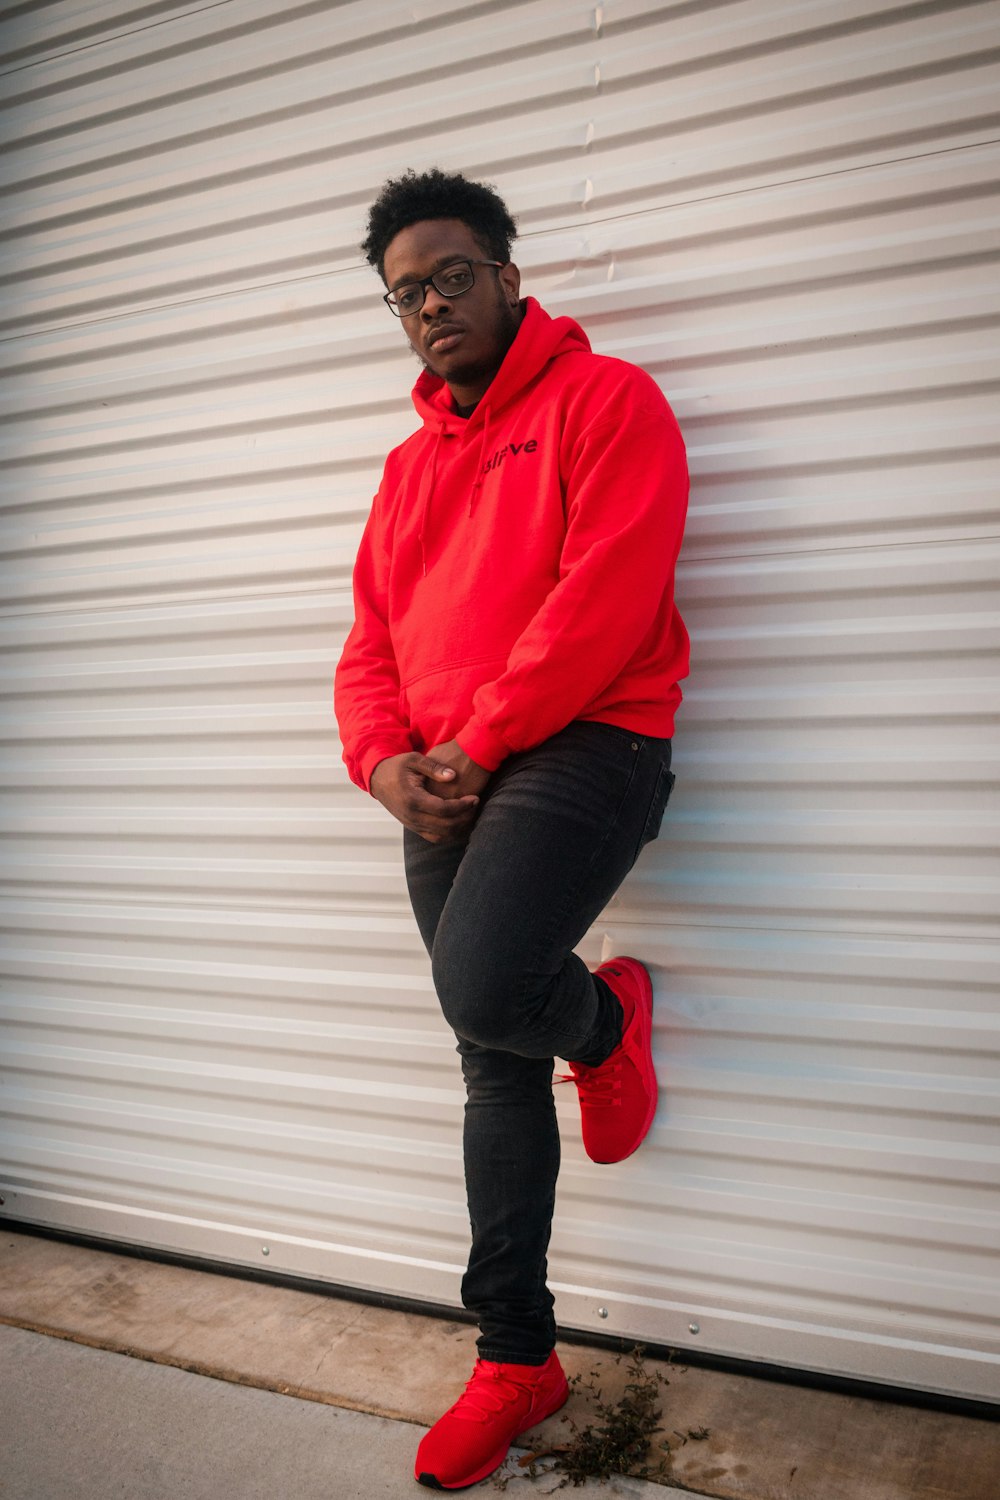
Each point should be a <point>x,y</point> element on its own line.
<point>517,568</point>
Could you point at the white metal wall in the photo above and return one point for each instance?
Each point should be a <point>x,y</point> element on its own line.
<point>220,1034</point>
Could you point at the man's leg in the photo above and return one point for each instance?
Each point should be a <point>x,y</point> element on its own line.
<point>510,1123</point>
<point>560,827</point>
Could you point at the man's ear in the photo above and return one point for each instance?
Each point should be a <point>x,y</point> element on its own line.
<point>510,279</point>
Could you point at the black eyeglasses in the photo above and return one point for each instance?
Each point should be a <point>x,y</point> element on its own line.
<point>450,281</point>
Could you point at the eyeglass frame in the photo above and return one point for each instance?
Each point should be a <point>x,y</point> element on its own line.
<point>427,281</point>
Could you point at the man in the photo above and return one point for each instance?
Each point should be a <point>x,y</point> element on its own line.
<point>507,692</point>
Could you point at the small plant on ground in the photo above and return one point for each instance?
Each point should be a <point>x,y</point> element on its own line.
<point>618,1440</point>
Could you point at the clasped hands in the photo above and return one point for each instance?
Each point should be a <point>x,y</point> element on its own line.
<point>435,795</point>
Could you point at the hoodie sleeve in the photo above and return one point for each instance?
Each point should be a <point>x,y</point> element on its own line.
<point>626,501</point>
<point>366,686</point>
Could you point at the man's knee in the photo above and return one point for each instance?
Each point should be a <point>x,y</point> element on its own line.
<point>482,998</point>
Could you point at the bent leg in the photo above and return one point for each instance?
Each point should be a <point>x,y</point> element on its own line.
<point>560,827</point>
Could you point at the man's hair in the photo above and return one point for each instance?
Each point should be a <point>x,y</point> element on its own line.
<point>435,194</point>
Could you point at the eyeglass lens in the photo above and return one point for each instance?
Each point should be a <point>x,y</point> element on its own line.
<point>451,281</point>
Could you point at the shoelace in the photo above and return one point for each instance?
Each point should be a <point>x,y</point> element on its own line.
<point>486,1394</point>
<point>597,1086</point>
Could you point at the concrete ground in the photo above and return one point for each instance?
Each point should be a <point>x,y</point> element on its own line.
<point>237,1389</point>
<point>86,1424</point>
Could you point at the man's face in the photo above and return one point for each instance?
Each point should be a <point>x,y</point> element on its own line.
<point>464,339</point>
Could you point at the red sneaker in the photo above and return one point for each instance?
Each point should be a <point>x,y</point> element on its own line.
<point>473,1436</point>
<point>618,1097</point>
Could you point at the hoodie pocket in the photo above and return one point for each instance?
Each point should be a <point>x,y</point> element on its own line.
<point>439,700</point>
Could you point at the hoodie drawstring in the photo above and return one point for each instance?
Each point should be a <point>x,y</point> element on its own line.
<point>424,498</point>
<point>426,490</point>
<point>483,448</point>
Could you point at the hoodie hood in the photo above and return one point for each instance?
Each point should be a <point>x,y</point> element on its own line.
<point>538,340</point>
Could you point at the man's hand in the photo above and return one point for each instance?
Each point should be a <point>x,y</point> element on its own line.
<point>470,778</point>
<point>427,795</point>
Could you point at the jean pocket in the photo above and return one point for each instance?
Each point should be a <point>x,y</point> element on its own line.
<point>657,807</point>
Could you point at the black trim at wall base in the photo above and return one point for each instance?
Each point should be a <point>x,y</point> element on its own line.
<point>674,1354</point>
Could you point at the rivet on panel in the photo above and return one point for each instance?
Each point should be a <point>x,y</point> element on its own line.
<point>694,1328</point>
<point>602,1312</point>
<point>265,1250</point>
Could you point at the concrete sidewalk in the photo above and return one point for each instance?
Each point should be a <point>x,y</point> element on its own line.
<point>85,1424</point>
<point>302,1366</point>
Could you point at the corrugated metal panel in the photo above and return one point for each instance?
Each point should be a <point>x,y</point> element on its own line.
<point>220,1028</point>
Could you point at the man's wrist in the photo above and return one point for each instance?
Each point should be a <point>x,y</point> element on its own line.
<point>373,758</point>
<point>483,747</point>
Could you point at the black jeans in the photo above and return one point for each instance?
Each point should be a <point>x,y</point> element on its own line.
<point>559,828</point>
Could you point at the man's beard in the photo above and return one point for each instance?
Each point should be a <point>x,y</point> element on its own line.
<point>505,327</point>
